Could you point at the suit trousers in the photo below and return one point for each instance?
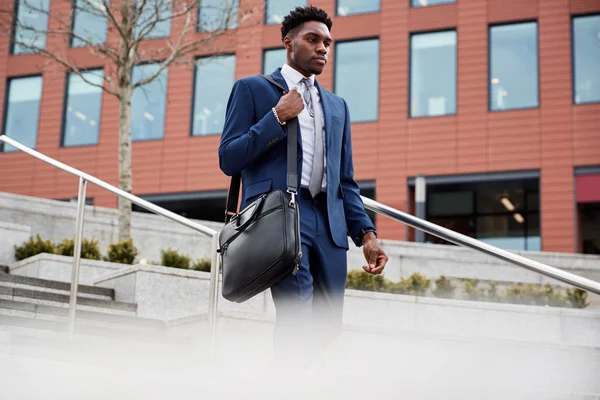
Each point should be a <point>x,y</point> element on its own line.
<point>309,305</point>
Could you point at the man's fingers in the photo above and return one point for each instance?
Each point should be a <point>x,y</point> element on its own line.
<point>372,258</point>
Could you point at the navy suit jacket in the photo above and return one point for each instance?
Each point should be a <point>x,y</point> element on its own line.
<point>253,144</point>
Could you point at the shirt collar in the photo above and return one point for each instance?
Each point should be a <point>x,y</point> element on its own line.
<point>294,76</point>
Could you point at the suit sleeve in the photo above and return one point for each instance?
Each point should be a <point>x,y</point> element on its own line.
<point>356,217</point>
<point>243,141</point>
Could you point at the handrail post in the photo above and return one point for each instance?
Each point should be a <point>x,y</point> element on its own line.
<point>213,295</point>
<point>76,255</point>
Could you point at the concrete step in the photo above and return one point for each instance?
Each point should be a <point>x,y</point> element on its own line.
<point>40,311</point>
<point>25,282</point>
<point>57,299</point>
<point>43,328</point>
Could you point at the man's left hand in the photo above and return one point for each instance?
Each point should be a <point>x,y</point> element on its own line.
<point>374,254</point>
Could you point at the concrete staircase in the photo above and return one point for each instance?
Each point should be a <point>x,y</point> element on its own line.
<point>33,323</point>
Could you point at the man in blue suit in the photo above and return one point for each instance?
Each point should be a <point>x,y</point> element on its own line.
<point>253,144</point>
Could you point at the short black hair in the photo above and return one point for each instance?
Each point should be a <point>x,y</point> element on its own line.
<point>296,19</point>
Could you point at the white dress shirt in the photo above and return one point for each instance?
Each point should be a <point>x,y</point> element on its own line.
<point>293,79</point>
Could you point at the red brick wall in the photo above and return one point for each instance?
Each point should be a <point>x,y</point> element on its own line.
<point>552,138</point>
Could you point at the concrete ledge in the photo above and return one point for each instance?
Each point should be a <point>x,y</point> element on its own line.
<point>58,268</point>
<point>12,235</point>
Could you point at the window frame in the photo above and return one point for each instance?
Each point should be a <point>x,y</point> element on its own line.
<point>71,37</point>
<point>335,53</point>
<point>264,54</point>
<point>149,62</point>
<point>573,17</point>
<point>7,102</point>
<point>63,123</point>
<point>433,5</point>
<point>13,33</point>
<point>337,14</point>
<point>193,102</point>
<point>409,69</point>
<point>489,63</point>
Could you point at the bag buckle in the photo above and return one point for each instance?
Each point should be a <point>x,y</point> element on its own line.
<point>292,198</point>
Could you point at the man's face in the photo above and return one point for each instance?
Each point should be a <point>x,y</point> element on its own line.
<point>308,49</point>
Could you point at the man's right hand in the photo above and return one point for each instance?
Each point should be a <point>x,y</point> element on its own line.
<point>290,105</point>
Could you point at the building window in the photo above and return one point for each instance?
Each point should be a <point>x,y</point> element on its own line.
<point>273,59</point>
<point>276,10</point>
<point>148,103</point>
<point>89,23</point>
<point>82,115</point>
<point>433,89</point>
<point>31,24</point>
<point>586,59</point>
<point>513,66</point>
<point>504,214</point>
<point>357,77</point>
<point>426,3</point>
<point>215,15</point>
<point>23,110</point>
<point>350,7</point>
<point>214,80</point>
<point>155,19</point>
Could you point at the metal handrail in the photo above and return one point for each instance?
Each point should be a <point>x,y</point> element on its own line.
<point>460,239</point>
<point>83,179</point>
<point>418,223</point>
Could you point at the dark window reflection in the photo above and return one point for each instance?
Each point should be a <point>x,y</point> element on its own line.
<point>502,213</point>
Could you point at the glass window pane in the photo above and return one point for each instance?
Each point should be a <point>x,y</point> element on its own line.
<point>216,14</point>
<point>450,203</point>
<point>425,3</point>
<point>349,7</point>
<point>32,17</point>
<point>148,103</point>
<point>214,79</point>
<point>433,89</point>
<point>534,241</point>
<point>504,231</point>
<point>276,10</point>
<point>82,115</point>
<point>157,13</point>
<point>23,110</point>
<point>357,77</point>
<point>500,200</point>
<point>513,66</point>
<point>274,59</point>
<point>89,23</point>
<point>463,225</point>
<point>586,53</point>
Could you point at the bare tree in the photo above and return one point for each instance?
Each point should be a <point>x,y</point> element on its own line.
<point>115,31</point>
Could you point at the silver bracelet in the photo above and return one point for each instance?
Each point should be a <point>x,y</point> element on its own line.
<point>277,116</point>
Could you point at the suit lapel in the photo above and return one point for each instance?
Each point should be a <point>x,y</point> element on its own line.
<point>327,112</point>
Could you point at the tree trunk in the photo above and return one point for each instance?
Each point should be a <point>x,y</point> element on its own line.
<point>125,175</point>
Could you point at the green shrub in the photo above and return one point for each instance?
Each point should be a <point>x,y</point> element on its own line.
<point>577,298</point>
<point>34,246</point>
<point>171,258</point>
<point>360,280</point>
<point>492,292</point>
<point>123,252</point>
<point>202,264</point>
<point>471,290</point>
<point>443,288</point>
<point>89,248</point>
<point>416,284</point>
<point>532,294</point>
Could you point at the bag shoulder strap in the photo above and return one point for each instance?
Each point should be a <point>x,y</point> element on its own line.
<point>292,166</point>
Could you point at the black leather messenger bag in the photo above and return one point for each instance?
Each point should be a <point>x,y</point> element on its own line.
<point>261,244</point>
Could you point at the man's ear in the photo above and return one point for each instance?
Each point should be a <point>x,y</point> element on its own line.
<point>287,43</point>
